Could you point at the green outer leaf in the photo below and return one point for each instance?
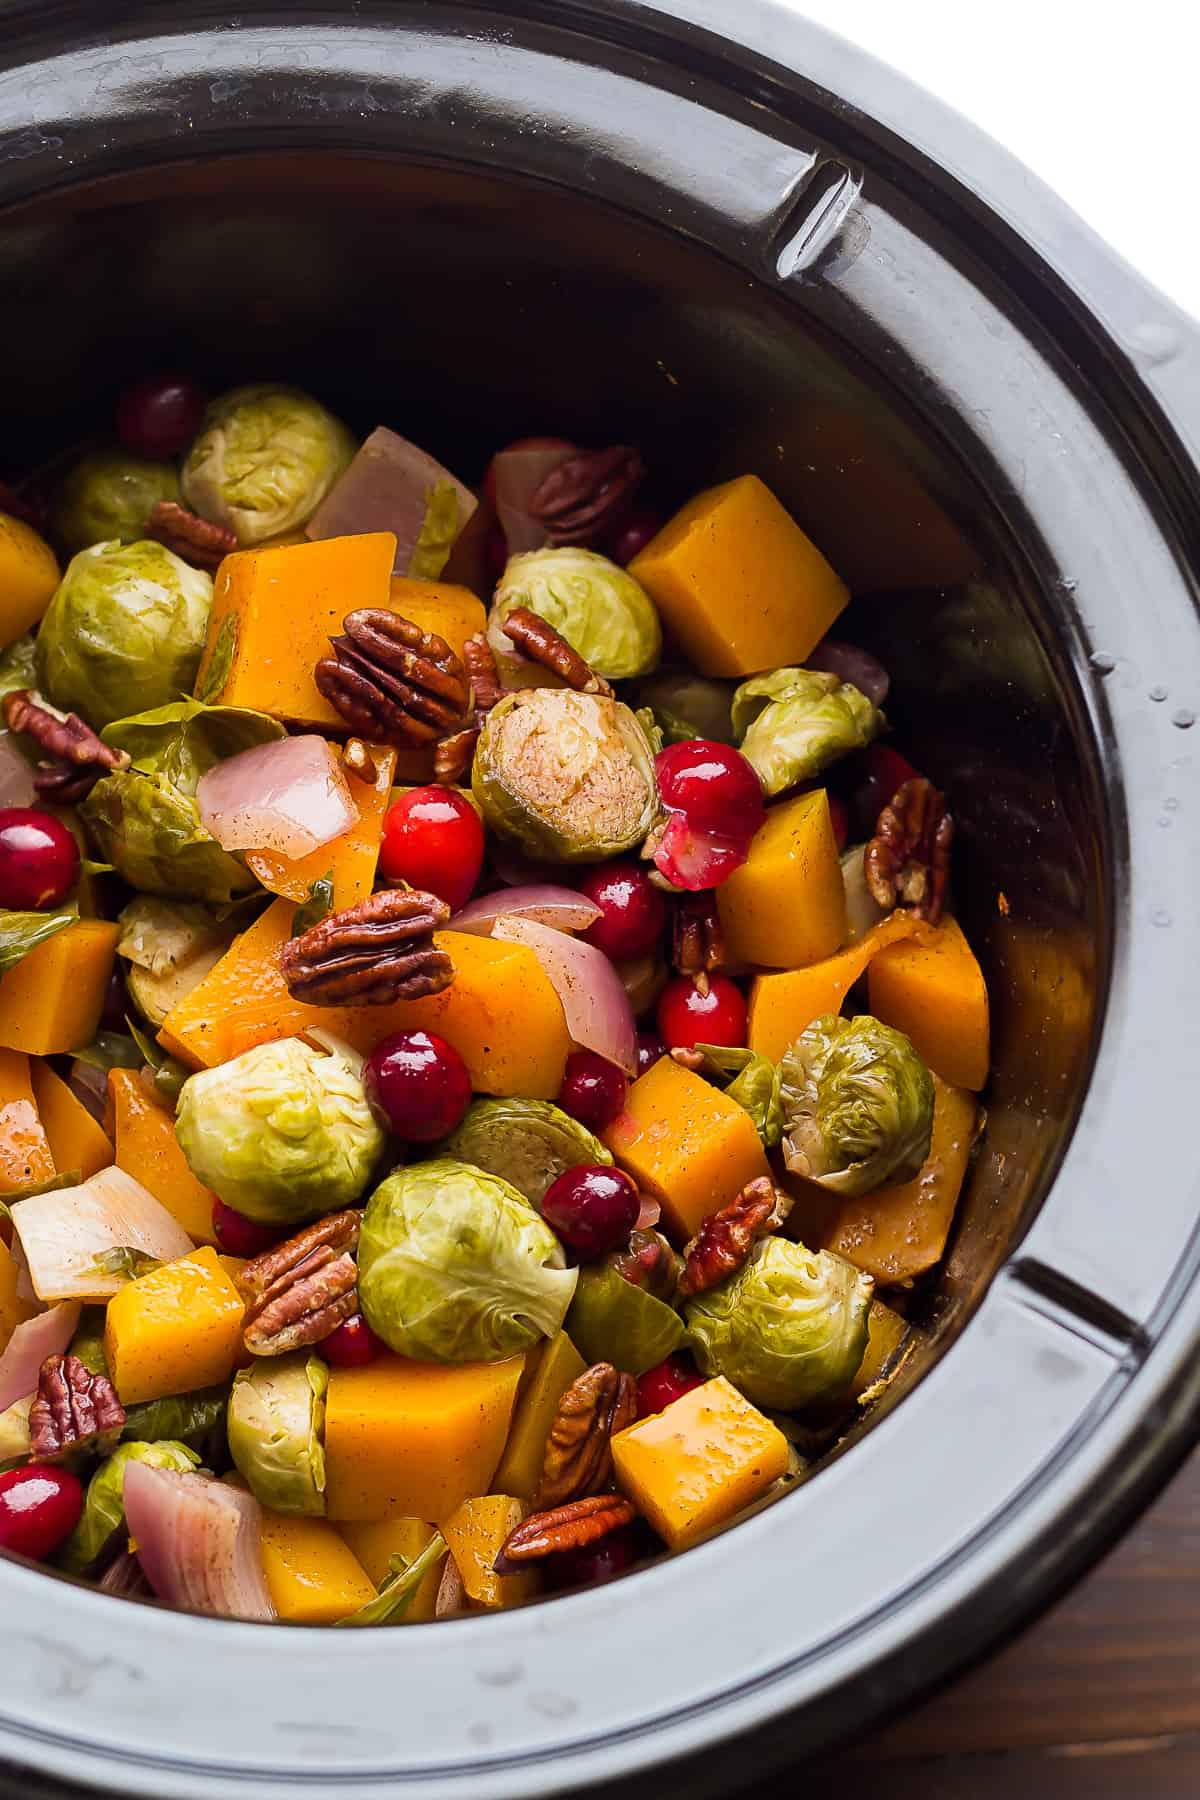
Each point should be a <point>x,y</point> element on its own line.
<point>181,742</point>
<point>110,1050</point>
<point>753,1081</point>
<point>51,1185</point>
<point>396,1594</point>
<point>318,906</point>
<point>21,932</point>
<point>610,1320</point>
<point>193,1419</point>
<point>88,1342</point>
<point>152,1053</point>
<point>220,663</point>
<point>439,528</point>
<point>17,666</point>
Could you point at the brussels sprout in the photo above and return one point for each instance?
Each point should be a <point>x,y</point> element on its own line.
<point>569,777</point>
<point>601,610</point>
<point>104,1503</point>
<point>124,631</point>
<point>788,1329</point>
<point>282,1132</point>
<point>277,1431</point>
<point>753,1081</point>
<point>689,706</point>
<point>454,1265</point>
<point>265,459</point>
<point>169,946</point>
<point>612,1320</point>
<point>196,1419</point>
<point>526,1142</point>
<point>793,723</point>
<point>857,1105</point>
<point>110,495</point>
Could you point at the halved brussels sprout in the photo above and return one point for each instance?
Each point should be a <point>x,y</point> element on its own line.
<point>526,1142</point>
<point>454,1265</point>
<point>569,777</point>
<point>598,607</point>
<point>264,460</point>
<point>612,1320</point>
<point>788,1329</point>
<point>753,1081</point>
<point>169,945</point>
<point>793,723</point>
<point>124,631</point>
<point>689,706</point>
<point>857,1104</point>
<point>277,1431</point>
<point>283,1132</point>
<point>104,1503</point>
<point>109,494</point>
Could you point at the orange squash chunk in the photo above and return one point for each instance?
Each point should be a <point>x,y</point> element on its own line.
<point>786,905</point>
<point>935,993</point>
<point>348,861</point>
<point>312,1575</point>
<point>51,1001</point>
<point>13,1310</point>
<point>76,1140</point>
<point>29,574</point>
<point>176,1329</point>
<point>782,1005</point>
<point>147,1149</point>
<point>453,612</point>
<point>375,1541</point>
<point>25,1154</point>
<point>475,1532</point>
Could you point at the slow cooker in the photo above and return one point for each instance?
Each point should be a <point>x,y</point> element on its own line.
<point>724,235</point>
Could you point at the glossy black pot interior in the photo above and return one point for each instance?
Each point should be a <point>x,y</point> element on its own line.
<point>471,228</point>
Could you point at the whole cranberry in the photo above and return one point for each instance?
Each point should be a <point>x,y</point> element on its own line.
<point>650,1049</point>
<point>593,1089</point>
<point>882,771</point>
<point>159,417</point>
<point>713,786</point>
<point>633,912</point>
<point>592,1563</point>
<point>418,1085</point>
<point>687,1016</point>
<point>433,839</point>
<point>666,1381</point>
<point>39,1506</point>
<point>634,535</point>
<point>39,859</point>
<point>240,1236</point>
<point>352,1345</point>
<point>592,1208</point>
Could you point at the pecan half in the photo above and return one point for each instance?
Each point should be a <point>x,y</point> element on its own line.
<point>907,862</point>
<point>378,950</point>
<point>392,682</point>
<point>726,1238</point>
<point>75,757</point>
<point>578,1459</point>
<point>563,1528</point>
<point>587,496</point>
<point>483,676</point>
<point>540,642</point>
<point>196,540</point>
<point>336,1231</point>
<point>454,755</point>
<point>73,1408</point>
<point>697,946</point>
<point>303,1289</point>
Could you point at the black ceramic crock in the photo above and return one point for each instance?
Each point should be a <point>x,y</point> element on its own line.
<point>723,234</point>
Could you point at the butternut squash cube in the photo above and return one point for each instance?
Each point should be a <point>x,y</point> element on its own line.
<point>29,574</point>
<point>500,1012</point>
<point>558,1364</point>
<point>25,1154</point>
<point>51,1001</point>
<point>934,991</point>
<point>784,1004</point>
<point>348,861</point>
<point>702,1459</point>
<point>738,582</point>
<point>475,1531</point>
<point>414,1440</point>
<point>898,1232</point>
<point>13,1309</point>
<point>375,1542</point>
<point>453,612</point>
<point>312,1575</point>
<point>686,1143</point>
<point>786,905</point>
<point>76,1140</point>
<point>174,1330</point>
<point>273,614</point>
<point>147,1149</point>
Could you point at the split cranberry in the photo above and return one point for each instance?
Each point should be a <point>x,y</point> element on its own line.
<point>159,417</point>
<point>666,1381</point>
<point>352,1345</point>
<point>687,1017</point>
<point>39,1506</point>
<point>39,859</point>
<point>593,1089</point>
<point>650,1049</point>
<point>240,1236</point>
<point>714,802</point>
<point>592,1563</point>
<point>592,1208</point>
<point>633,912</point>
<point>634,535</point>
<point>433,839</point>
<point>883,772</point>
<point>417,1085</point>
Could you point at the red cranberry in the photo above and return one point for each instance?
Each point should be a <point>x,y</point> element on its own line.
<point>39,1506</point>
<point>633,912</point>
<point>39,859</point>
<point>839,814</point>
<point>159,417</point>
<point>650,1049</point>
<point>592,1208</point>
<point>417,1085</point>
<point>593,1089</point>
<point>665,1382</point>
<point>593,1563</point>
<point>687,1016</point>
<point>240,1236</point>
<point>352,1345</point>
<point>433,839</point>
<point>884,770</point>
<point>634,535</point>
<point>712,785</point>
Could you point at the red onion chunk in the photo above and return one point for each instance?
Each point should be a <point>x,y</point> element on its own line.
<point>546,904</point>
<point>649,1214</point>
<point>27,1349</point>
<point>198,1541</point>
<point>849,663</point>
<point>90,1087</point>
<point>16,775</point>
<point>290,795</point>
<point>594,1002</point>
<point>388,487</point>
<point>518,473</point>
<point>61,1234</point>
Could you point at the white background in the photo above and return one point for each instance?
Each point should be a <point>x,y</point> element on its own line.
<point>1102,102</point>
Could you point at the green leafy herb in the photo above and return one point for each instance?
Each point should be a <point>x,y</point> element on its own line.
<point>126,1261</point>
<point>318,906</point>
<point>21,932</point>
<point>396,1594</point>
<point>151,1053</point>
<point>220,663</point>
<point>111,1050</point>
